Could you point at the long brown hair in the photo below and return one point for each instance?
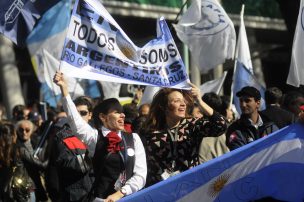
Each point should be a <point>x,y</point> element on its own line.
<point>157,116</point>
<point>8,149</point>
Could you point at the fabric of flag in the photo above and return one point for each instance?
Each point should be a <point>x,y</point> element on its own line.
<point>97,48</point>
<point>208,32</point>
<point>50,65</point>
<point>49,35</point>
<point>215,85</point>
<point>110,89</point>
<point>269,168</point>
<point>242,51</point>
<point>296,71</point>
<point>243,73</point>
<point>18,17</point>
<point>148,95</point>
<point>242,77</point>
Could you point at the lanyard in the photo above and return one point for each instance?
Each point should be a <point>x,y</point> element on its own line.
<point>173,145</point>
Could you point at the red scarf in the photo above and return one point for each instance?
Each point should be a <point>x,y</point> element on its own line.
<point>114,141</point>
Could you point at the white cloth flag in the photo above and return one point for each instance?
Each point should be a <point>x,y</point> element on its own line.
<point>243,73</point>
<point>242,50</point>
<point>50,64</point>
<point>97,48</point>
<point>296,71</point>
<point>110,89</point>
<point>214,85</point>
<point>148,95</point>
<point>208,32</point>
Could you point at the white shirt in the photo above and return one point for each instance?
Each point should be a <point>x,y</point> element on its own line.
<point>89,136</point>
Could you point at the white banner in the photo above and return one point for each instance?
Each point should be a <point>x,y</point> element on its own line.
<point>97,48</point>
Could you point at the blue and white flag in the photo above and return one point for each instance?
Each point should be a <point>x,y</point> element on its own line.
<point>296,71</point>
<point>243,72</point>
<point>97,48</point>
<point>208,32</point>
<point>242,50</point>
<point>241,78</point>
<point>18,17</point>
<point>49,35</point>
<point>271,167</point>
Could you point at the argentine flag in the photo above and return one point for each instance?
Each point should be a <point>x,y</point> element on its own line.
<point>268,168</point>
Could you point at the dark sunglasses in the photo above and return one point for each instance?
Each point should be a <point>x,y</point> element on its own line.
<point>83,113</point>
<point>21,130</point>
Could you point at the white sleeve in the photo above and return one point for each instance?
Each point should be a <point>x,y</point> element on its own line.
<point>83,130</point>
<point>138,180</point>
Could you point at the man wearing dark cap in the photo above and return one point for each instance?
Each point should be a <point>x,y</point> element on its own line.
<point>250,126</point>
<point>119,158</point>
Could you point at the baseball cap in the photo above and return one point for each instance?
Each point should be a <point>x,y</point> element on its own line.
<point>250,92</point>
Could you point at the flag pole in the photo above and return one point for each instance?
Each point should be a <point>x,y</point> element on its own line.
<point>53,86</point>
<point>236,53</point>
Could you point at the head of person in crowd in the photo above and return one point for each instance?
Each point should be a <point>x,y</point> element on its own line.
<point>25,129</point>
<point>213,100</point>
<point>131,113</point>
<point>227,109</point>
<point>19,113</point>
<point>36,118</point>
<point>144,109</point>
<point>8,138</point>
<point>273,96</point>
<point>109,114</point>
<point>292,102</point>
<point>196,112</point>
<point>168,108</point>
<point>84,107</point>
<point>2,112</point>
<point>250,101</point>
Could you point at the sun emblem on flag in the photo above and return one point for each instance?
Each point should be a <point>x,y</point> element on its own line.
<point>216,186</point>
<point>126,47</point>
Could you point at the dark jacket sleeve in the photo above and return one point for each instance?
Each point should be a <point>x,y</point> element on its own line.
<point>235,139</point>
<point>212,126</point>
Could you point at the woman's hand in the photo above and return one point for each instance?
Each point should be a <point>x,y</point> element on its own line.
<point>60,81</point>
<point>114,197</point>
<point>195,91</point>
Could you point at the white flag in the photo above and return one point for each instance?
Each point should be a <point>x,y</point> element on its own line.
<point>110,89</point>
<point>243,73</point>
<point>50,67</point>
<point>296,71</point>
<point>214,85</point>
<point>97,48</point>
<point>242,50</point>
<point>208,32</point>
<point>148,95</point>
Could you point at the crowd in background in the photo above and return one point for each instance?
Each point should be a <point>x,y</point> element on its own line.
<point>178,130</point>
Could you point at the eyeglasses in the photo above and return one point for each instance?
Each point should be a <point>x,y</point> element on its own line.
<point>21,130</point>
<point>83,112</point>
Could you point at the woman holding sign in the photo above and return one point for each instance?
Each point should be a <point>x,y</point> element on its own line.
<point>172,137</point>
<point>119,159</point>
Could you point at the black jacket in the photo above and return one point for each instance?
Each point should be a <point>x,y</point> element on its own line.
<point>278,115</point>
<point>74,172</point>
<point>242,132</point>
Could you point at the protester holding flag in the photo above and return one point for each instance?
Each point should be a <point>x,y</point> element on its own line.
<point>119,158</point>
<point>251,126</point>
<point>172,138</point>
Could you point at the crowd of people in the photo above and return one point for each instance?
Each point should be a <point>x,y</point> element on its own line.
<point>90,149</point>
